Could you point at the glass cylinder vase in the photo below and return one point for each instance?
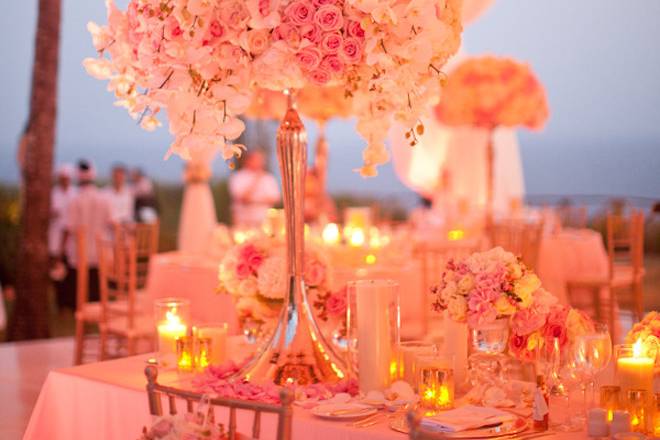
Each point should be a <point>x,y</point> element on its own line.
<point>172,318</point>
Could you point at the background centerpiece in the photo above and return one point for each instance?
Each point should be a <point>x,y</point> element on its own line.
<point>489,92</point>
<point>202,60</point>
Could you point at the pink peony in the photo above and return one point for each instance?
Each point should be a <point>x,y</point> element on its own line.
<point>332,64</point>
<point>311,32</point>
<point>331,43</point>
<point>329,18</point>
<point>299,12</point>
<point>309,58</point>
<point>526,321</point>
<point>336,303</point>
<point>351,50</point>
<point>320,77</point>
<point>314,273</point>
<point>355,29</point>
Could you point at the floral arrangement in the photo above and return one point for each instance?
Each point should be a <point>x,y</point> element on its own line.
<point>201,61</point>
<point>318,103</point>
<point>648,331</point>
<point>538,327</point>
<point>254,274</point>
<point>489,92</point>
<point>485,286</point>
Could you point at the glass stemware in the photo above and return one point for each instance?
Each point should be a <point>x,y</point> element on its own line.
<point>591,353</point>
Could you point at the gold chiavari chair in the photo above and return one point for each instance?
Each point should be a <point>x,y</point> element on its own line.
<point>522,238</point>
<point>433,257</point>
<point>284,411</point>
<point>625,251</point>
<point>145,236</point>
<point>87,312</point>
<point>123,315</point>
<point>573,216</point>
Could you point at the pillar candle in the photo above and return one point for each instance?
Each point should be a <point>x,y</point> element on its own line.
<point>168,332</point>
<point>456,344</point>
<point>375,350</point>
<point>218,337</point>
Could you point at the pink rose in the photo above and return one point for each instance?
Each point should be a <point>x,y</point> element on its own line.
<point>288,33</point>
<point>319,77</point>
<point>234,13</point>
<point>518,347</point>
<point>332,64</point>
<point>555,330</point>
<point>526,321</point>
<point>216,29</point>
<point>329,18</point>
<point>264,7</point>
<point>319,3</point>
<point>336,303</point>
<point>258,41</point>
<point>314,273</point>
<point>251,256</point>
<point>309,58</point>
<point>243,270</point>
<point>311,32</point>
<point>355,29</point>
<point>331,43</point>
<point>299,12</point>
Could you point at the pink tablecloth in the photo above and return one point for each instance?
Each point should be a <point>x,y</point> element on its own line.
<point>570,253</point>
<point>107,401</point>
<point>173,274</point>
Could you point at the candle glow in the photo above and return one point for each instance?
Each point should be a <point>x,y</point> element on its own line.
<point>331,234</point>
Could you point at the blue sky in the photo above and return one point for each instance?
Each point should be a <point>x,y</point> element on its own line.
<point>599,60</point>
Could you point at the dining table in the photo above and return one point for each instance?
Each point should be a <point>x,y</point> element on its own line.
<point>108,401</point>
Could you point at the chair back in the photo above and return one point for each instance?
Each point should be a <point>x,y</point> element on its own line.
<point>433,258</point>
<point>625,241</point>
<point>572,216</point>
<point>82,268</point>
<point>145,236</point>
<point>521,238</point>
<point>117,278</point>
<point>283,411</point>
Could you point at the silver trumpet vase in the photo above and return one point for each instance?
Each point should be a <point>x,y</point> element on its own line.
<point>297,352</point>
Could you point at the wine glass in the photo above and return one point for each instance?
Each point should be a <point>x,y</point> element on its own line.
<point>591,352</point>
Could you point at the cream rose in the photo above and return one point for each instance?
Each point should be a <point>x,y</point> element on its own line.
<point>525,287</point>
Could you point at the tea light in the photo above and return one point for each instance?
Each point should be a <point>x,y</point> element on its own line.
<point>597,423</point>
<point>202,354</point>
<point>217,336</point>
<point>455,234</point>
<point>620,422</point>
<point>331,234</point>
<point>610,399</point>
<point>357,238</point>
<point>185,360</point>
<point>636,408</point>
<point>436,383</point>
<point>408,353</point>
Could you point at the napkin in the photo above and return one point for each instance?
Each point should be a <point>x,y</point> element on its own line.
<point>466,418</point>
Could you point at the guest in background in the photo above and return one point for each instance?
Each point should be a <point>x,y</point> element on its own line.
<point>89,212</point>
<point>120,197</point>
<point>253,190</point>
<point>146,204</point>
<point>62,193</point>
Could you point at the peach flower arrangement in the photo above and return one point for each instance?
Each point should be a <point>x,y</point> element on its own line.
<point>490,92</point>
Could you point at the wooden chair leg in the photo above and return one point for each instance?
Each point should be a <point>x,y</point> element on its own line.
<point>130,346</point>
<point>80,336</point>
<point>638,293</point>
<point>103,343</point>
<point>613,303</point>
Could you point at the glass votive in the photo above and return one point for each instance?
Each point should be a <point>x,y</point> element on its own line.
<point>185,354</point>
<point>203,353</point>
<point>408,353</point>
<point>634,367</point>
<point>610,399</point>
<point>620,422</point>
<point>171,316</point>
<point>217,335</point>
<point>435,382</point>
<point>636,406</point>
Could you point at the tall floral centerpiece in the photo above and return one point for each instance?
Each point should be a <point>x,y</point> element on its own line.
<point>489,92</point>
<point>201,61</point>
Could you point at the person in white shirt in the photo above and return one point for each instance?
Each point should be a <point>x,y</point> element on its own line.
<point>90,212</point>
<point>253,190</point>
<point>62,193</point>
<point>120,197</point>
<point>146,205</point>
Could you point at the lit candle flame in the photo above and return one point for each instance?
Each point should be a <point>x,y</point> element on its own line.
<point>331,233</point>
<point>637,348</point>
<point>357,238</point>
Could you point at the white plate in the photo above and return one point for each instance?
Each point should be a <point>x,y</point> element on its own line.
<point>343,411</point>
<point>506,429</point>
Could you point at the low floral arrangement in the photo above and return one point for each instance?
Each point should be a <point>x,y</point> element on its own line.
<point>201,61</point>
<point>254,274</point>
<point>492,285</point>
<point>648,331</point>
<point>490,92</point>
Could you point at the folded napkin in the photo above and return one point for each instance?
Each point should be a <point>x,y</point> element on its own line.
<point>466,418</point>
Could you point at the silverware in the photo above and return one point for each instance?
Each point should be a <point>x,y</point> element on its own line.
<point>349,411</point>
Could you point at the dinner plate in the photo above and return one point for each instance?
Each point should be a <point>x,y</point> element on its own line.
<point>516,426</point>
<point>343,411</point>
